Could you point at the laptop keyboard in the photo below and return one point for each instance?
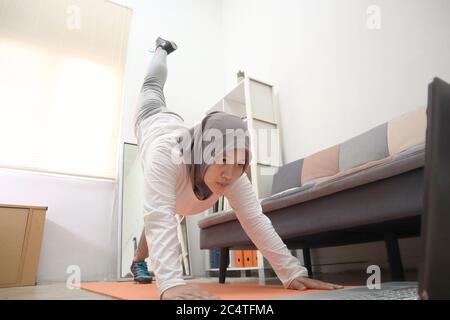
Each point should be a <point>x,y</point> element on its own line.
<point>386,294</point>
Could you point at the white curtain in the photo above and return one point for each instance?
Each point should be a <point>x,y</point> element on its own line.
<point>61,78</point>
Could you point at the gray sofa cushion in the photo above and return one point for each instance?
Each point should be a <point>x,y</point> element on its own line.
<point>396,166</point>
<point>288,176</point>
<point>290,191</point>
<point>369,146</point>
<point>217,218</point>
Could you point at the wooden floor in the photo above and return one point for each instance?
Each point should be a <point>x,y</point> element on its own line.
<point>59,291</point>
<point>53,291</point>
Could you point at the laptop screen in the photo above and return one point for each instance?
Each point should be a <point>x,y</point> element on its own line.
<point>434,281</point>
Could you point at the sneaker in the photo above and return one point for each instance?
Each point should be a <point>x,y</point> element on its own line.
<point>169,46</point>
<point>140,272</point>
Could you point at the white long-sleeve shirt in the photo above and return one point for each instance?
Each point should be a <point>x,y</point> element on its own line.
<point>168,191</point>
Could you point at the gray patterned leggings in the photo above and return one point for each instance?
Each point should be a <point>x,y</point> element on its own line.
<point>151,98</point>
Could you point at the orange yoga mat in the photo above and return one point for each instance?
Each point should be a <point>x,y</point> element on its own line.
<point>227,291</point>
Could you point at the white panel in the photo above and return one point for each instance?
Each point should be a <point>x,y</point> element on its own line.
<point>268,148</point>
<point>237,93</point>
<point>261,100</point>
<point>132,206</point>
<point>234,107</point>
<point>265,178</point>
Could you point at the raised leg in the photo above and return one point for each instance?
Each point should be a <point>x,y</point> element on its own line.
<point>151,98</point>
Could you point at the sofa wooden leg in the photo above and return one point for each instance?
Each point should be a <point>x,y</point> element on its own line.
<point>224,254</point>
<point>307,261</point>
<point>395,259</point>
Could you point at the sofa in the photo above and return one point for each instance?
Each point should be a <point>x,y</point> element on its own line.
<point>368,188</point>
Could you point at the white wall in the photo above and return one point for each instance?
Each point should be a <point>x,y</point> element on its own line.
<point>80,227</point>
<point>334,77</point>
<point>330,70</point>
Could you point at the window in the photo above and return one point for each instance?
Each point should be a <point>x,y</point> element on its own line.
<point>61,78</point>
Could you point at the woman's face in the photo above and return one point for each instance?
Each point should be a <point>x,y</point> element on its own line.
<point>219,176</point>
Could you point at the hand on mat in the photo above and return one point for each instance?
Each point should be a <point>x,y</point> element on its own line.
<point>187,292</point>
<point>303,283</point>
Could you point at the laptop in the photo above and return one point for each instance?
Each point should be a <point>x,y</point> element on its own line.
<point>434,282</point>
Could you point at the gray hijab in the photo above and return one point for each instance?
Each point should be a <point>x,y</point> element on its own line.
<point>207,142</point>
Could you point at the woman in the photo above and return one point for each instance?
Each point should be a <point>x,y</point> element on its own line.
<point>185,172</point>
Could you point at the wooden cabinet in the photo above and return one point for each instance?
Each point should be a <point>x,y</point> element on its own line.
<point>21,230</point>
